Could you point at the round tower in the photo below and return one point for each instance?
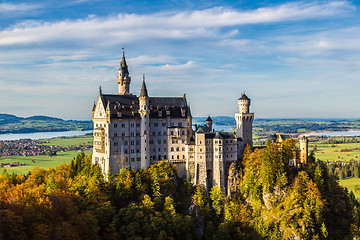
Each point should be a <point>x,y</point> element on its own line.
<point>144,110</point>
<point>303,149</point>
<point>244,104</point>
<point>209,123</point>
<point>123,78</point>
<point>244,121</point>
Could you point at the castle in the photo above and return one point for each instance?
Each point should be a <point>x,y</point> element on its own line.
<point>135,131</point>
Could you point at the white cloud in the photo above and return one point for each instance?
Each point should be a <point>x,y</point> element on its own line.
<point>126,28</point>
<point>10,7</point>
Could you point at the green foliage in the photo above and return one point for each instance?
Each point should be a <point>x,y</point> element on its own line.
<point>270,202</point>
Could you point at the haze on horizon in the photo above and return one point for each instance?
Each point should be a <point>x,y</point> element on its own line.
<point>298,59</point>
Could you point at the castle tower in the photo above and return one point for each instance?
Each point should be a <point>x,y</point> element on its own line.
<point>209,123</point>
<point>123,78</point>
<point>244,121</point>
<point>303,149</point>
<point>144,110</point>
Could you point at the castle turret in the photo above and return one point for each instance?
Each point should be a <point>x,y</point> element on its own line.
<point>303,149</point>
<point>123,78</point>
<point>144,110</point>
<point>209,123</point>
<point>244,121</point>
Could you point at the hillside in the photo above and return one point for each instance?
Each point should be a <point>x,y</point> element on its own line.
<point>13,124</point>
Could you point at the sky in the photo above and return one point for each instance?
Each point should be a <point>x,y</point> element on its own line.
<point>294,59</point>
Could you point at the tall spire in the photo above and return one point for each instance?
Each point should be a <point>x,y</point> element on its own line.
<point>123,78</point>
<point>123,65</point>
<point>143,92</point>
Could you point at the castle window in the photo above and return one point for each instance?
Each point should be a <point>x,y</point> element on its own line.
<point>126,143</point>
<point>177,149</point>
<point>200,142</point>
<point>230,141</point>
<point>164,157</point>
<point>164,149</point>
<point>159,157</point>
<point>138,159</point>
<point>116,144</point>
<point>164,133</point>
<point>96,125</point>
<point>220,142</point>
<point>163,124</point>
<point>172,157</point>
<point>216,142</point>
<point>116,152</point>
<point>133,159</point>
<point>156,124</point>
<point>137,151</point>
<point>137,134</point>
<point>137,124</point>
<point>132,143</point>
<point>159,141</point>
<point>220,149</point>
<point>159,149</point>
<point>219,156</point>
<point>115,134</point>
<point>226,141</point>
<point>200,149</point>
<point>159,133</point>
<point>126,151</point>
<point>231,149</point>
<point>132,134</point>
<point>115,125</point>
<point>132,124</point>
<point>172,149</point>
<point>180,124</point>
<point>164,141</point>
<point>123,125</point>
<point>154,150</point>
<point>183,156</point>
<point>151,141</point>
<point>153,133</point>
<point>183,149</point>
<point>123,134</point>
<point>137,142</point>
<point>172,132</point>
<point>132,151</point>
<point>182,132</point>
<point>171,124</point>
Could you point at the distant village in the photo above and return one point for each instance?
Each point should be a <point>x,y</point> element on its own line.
<point>28,147</point>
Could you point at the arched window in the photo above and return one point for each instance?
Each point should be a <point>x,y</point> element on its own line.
<point>183,156</point>
<point>172,157</point>
<point>172,149</point>
<point>177,156</point>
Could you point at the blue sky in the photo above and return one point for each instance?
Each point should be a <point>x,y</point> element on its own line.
<point>292,58</point>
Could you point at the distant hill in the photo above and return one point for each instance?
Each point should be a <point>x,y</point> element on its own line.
<point>13,124</point>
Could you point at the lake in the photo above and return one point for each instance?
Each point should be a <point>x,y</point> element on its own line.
<point>42,135</point>
<point>334,134</point>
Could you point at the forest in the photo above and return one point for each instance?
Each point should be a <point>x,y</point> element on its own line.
<point>268,200</point>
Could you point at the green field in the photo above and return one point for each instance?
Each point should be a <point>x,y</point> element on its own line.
<point>350,184</point>
<point>332,152</point>
<point>41,161</point>
<point>70,141</point>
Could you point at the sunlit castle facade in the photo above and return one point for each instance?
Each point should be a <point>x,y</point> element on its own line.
<point>135,131</point>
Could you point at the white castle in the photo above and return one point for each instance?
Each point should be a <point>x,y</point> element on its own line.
<point>134,132</point>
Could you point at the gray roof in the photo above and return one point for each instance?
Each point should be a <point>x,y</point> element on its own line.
<point>128,106</point>
<point>244,97</point>
<point>224,135</point>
